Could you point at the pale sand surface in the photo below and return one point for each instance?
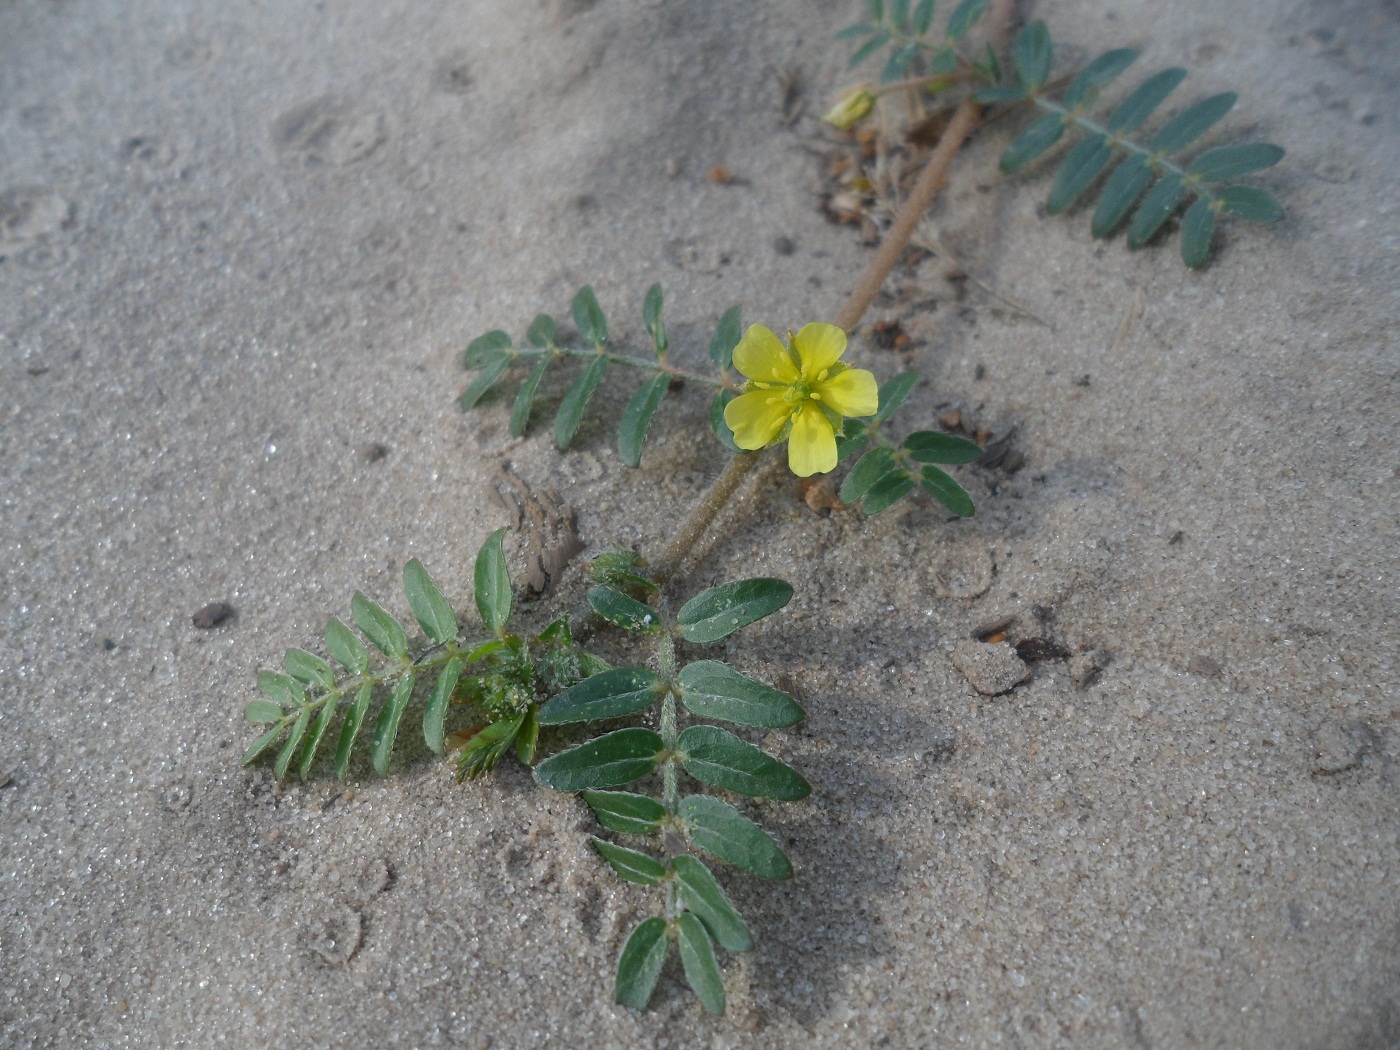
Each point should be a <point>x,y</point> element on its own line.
<point>208,313</point>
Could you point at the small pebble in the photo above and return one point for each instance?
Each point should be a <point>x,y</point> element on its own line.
<point>212,615</point>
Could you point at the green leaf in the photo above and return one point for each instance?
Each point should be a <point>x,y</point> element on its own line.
<point>1155,210</point>
<point>727,335</point>
<point>542,332</point>
<point>899,13</point>
<point>651,317</point>
<point>619,568</point>
<point>631,865</point>
<point>1197,227</point>
<point>860,29</point>
<point>261,712</point>
<point>876,10</point>
<point>260,746</point>
<point>964,16</point>
<point>612,694</point>
<point>1250,204</point>
<point>313,740</point>
<point>1229,162</point>
<point>1084,89</point>
<point>589,318</point>
<point>717,423</point>
<point>923,17</point>
<point>991,96</point>
<point>1032,55</point>
<point>571,409</point>
<point>1120,193</point>
<point>850,444</point>
<point>947,491</point>
<point>625,812</point>
<point>486,348</point>
<point>870,469</point>
<point>867,49</point>
<point>491,371</point>
<point>481,753</point>
<point>888,491</point>
<point>309,668</point>
<point>610,760</point>
<point>932,446</point>
<point>387,728</point>
<point>698,961</point>
<point>719,829</point>
<point>527,738</point>
<point>639,966</point>
<point>1032,142</point>
<point>898,62</point>
<point>1148,95</point>
<point>379,627</point>
<point>712,689</point>
<point>345,647</point>
<point>1081,167</point>
<point>492,583</point>
<point>350,728</point>
<point>289,749</point>
<point>525,397</point>
<point>893,392</point>
<point>718,757</point>
<point>1190,124</point>
<point>636,419</point>
<point>623,610</point>
<point>286,690</point>
<point>430,608</point>
<point>702,895</point>
<point>720,611</point>
<point>435,716</point>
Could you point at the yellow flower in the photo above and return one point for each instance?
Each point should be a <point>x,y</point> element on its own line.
<point>852,106</point>
<point>800,391</point>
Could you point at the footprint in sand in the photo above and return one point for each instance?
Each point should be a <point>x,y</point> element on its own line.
<point>329,131</point>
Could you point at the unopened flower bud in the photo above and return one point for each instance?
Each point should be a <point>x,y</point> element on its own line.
<point>851,107</point>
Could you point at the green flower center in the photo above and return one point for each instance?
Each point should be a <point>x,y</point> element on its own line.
<point>798,392</point>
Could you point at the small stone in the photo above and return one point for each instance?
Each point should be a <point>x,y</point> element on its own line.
<point>212,615</point>
<point>1087,666</point>
<point>992,669</point>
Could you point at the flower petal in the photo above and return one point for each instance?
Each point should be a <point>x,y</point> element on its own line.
<point>812,443</point>
<point>819,346</point>
<point>756,417</point>
<point>762,357</point>
<point>853,392</point>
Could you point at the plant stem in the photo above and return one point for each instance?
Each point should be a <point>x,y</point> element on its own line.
<point>700,518</point>
<point>645,364</point>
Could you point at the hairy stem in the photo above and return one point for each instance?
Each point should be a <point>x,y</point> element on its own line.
<point>700,518</point>
<point>645,364</point>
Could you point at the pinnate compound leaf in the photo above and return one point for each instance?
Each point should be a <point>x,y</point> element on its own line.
<point>720,611</point>
<point>698,961</point>
<point>611,760</point>
<point>1120,193</point>
<point>963,18</point>
<point>1197,228</point>
<point>348,650</point>
<point>1250,203</point>
<point>712,689</point>
<point>1084,89</point>
<point>932,446</point>
<point>1032,142</point>
<point>721,830</point>
<point>313,739</point>
<point>575,403</point>
<point>1081,166</point>
<point>486,348</point>
<point>589,318</point>
<point>639,966</point>
<point>868,48</point>
<point>893,392</point>
<point>491,371</point>
<point>289,749</point>
<point>282,688</point>
<point>612,694</point>
<point>636,418</point>
<point>525,397</point>
<point>947,491</point>
<point>717,422</point>
<point>261,712</point>
<point>1155,209</point>
<point>1191,123</point>
<point>1229,162</point>
<point>350,729</point>
<point>542,332</point>
<point>888,491</point>
<point>309,668</point>
<point>727,335</point>
<point>387,728</point>
<point>435,716</point>
<point>491,583</point>
<point>623,610</point>
<point>631,865</point>
<point>702,895</point>
<point>1032,55</point>
<point>1148,95</point>
<point>430,608</point>
<point>870,469</point>
<point>625,812</point>
<point>379,627</point>
<point>716,756</point>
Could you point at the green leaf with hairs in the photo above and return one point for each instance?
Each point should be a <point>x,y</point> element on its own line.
<point>712,689</point>
<point>1250,203</point>
<point>1191,123</point>
<point>923,17</point>
<point>285,689</point>
<point>430,608</point>
<point>893,392</point>
<point>491,371</point>
<point>625,812</point>
<point>289,749</point>
<point>1154,211</point>
<point>716,756</point>
<point>435,716</point>
<point>888,491</point>
<point>525,397</point>
<point>631,865</point>
<point>636,418</point>
<point>1032,55</point>
<point>387,728</point>
<point>652,308</point>
<point>947,491</point>
<point>867,49</point>
<point>702,895</point>
<point>727,335</point>
<point>313,739</point>
<point>639,966</point>
<point>480,754</point>
<point>262,744</point>
<point>612,694</point>
<point>350,729</point>
<point>868,470</point>
<point>1081,166</point>
<point>379,627</point>
<point>261,712</point>
<point>542,332</point>
<point>309,668</point>
<point>575,403</point>
<point>718,612</point>
<point>589,318</point>
<point>486,348</point>
<point>622,610</point>
<point>717,423</point>
<point>1084,89</point>
<point>345,647</point>
<point>722,831</point>
<point>611,760</point>
<point>1230,162</point>
<point>933,446</point>
<point>1120,193</point>
<point>698,962</point>
<point>1032,142</point>
<point>1197,228</point>
<point>1140,105</point>
<point>963,18</point>
<point>492,583</point>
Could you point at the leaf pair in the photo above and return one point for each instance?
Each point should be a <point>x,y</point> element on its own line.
<point>880,479</point>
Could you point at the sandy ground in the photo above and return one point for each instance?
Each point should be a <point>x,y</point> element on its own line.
<point>243,243</point>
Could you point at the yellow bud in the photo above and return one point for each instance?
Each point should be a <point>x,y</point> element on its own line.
<point>851,107</point>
